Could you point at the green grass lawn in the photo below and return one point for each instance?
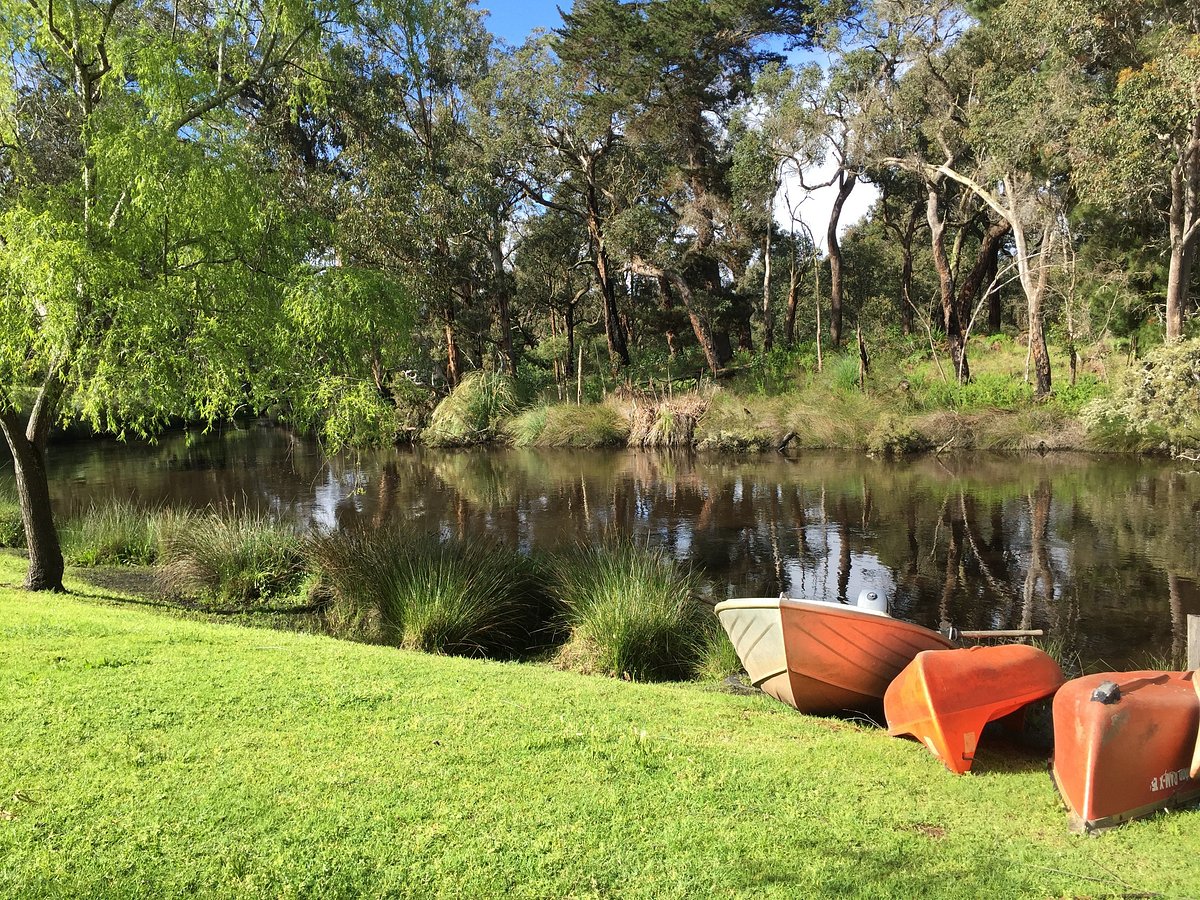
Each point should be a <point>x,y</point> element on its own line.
<point>150,755</point>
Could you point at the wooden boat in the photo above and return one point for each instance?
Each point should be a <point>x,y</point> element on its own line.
<point>945,698</point>
<point>1123,745</point>
<point>823,657</point>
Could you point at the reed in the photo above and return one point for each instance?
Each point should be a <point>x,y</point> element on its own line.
<point>631,613</point>
<point>420,592</point>
<point>241,559</point>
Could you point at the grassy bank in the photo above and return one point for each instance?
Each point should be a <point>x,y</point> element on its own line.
<point>147,755</point>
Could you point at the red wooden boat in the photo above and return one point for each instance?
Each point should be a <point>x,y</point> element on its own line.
<point>1123,745</point>
<point>944,699</point>
<point>823,657</point>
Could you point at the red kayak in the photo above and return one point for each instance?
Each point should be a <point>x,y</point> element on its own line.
<point>944,699</point>
<point>1123,745</point>
<point>822,657</point>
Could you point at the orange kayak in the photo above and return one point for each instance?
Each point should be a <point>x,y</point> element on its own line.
<point>1123,745</point>
<point>822,657</point>
<point>944,699</point>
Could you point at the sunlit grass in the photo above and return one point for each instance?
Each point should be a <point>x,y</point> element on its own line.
<point>147,755</point>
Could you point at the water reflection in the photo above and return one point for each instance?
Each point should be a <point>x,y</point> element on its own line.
<point>1101,553</point>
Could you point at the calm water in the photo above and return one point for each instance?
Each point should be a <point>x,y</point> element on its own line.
<point>1101,553</point>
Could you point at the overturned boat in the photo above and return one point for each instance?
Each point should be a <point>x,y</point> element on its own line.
<point>821,657</point>
<point>1123,745</point>
<point>944,699</point>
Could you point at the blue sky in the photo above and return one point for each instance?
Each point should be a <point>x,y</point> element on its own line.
<point>514,19</point>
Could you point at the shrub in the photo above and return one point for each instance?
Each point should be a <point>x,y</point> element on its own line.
<point>894,437</point>
<point>419,592</point>
<point>472,412</point>
<point>1158,398</point>
<point>843,373</point>
<point>631,612</point>
<point>667,421</point>
<point>117,533</point>
<point>241,559</point>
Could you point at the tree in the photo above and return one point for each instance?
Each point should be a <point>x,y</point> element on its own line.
<point>140,263</point>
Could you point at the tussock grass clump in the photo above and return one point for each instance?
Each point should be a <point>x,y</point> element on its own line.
<point>472,413</point>
<point>666,421</point>
<point>569,425</point>
<point>241,559</point>
<point>718,658</point>
<point>631,612</point>
<point>115,533</point>
<point>12,527</point>
<point>419,592</point>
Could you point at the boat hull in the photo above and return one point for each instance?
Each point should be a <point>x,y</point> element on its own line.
<point>1130,757</point>
<point>944,699</point>
<point>822,657</point>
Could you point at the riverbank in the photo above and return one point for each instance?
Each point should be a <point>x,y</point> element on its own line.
<point>902,405</point>
<point>155,754</point>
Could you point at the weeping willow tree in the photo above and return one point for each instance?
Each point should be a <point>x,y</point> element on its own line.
<point>143,244</point>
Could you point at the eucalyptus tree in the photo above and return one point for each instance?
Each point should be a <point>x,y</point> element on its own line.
<point>413,201</point>
<point>566,116</point>
<point>1138,144</point>
<point>141,261</point>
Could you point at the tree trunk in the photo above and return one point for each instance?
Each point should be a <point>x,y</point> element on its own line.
<point>977,278</point>
<point>907,304</point>
<point>453,355</point>
<point>501,282</point>
<point>1035,290</point>
<point>618,347</point>
<point>953,325</point>
<point>793,301</point>
<point>845,183</point>
<point>27,445</point>
<point>1184,222</point>
<point>674,283</point>
<point>569,323</point>
<point>768,310</point>
<point>995,309</point>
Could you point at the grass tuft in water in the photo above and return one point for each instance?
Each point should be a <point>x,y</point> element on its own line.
<point>419,592</point>
<point>631,612</point>
<point>241,559</point>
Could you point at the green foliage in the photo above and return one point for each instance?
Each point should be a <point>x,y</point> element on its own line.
<point>1157,399</point>
<point>569,425</point>
<point>465,598</point>
<point>842,372</point>
<point>473,412</point>
<point>631,612</point>
<point>114,533</point>
<point>985,390</point>
<point>242,559</point>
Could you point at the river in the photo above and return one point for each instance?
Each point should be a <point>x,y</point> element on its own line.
<point>1102,553</point>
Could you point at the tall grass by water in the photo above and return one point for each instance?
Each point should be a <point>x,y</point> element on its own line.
<point>242,559</point>
<point>473,412</point>
<point>422,592</point>
<point>569,425</point>
<point>12,529</point>
<point>631,612</point>
<point>114,533</point>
